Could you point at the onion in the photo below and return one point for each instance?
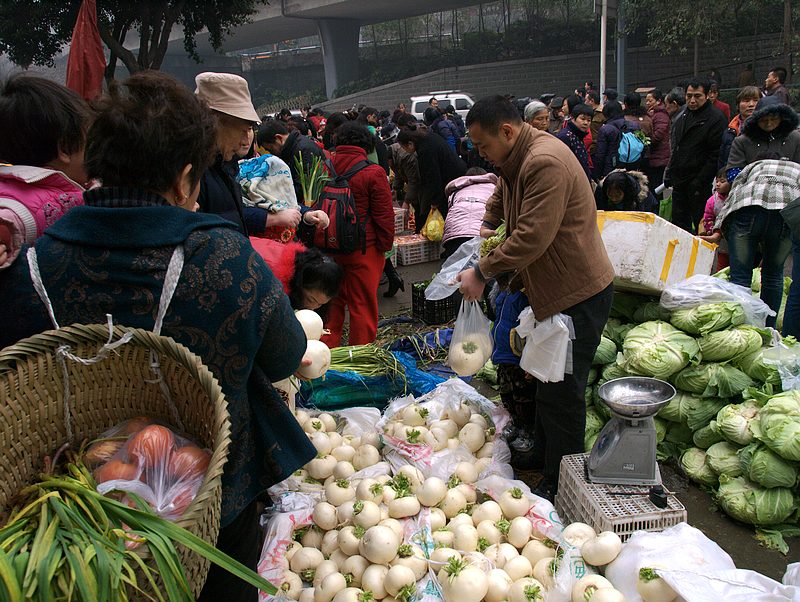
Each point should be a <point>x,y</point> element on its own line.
<point>320,357</point>
<point>311,323</point>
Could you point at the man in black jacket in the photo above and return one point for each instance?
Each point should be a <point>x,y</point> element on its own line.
<point>228,96</point>
<point>695,139</point>
<point>276,138</point>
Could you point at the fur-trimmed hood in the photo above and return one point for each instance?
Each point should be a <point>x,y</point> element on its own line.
<point>632,183</point>
<point>789,121</point>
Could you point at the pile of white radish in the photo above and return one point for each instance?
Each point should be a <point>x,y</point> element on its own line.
<point>598,550</point>
<point>459,426</point>
<point>316,351</point>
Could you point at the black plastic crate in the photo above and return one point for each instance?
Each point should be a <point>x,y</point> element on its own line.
<point>433,312</point>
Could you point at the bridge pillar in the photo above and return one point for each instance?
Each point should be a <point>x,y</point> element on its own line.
<point>339,51</point>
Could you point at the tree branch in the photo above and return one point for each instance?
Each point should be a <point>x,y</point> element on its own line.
<point>126,56</point>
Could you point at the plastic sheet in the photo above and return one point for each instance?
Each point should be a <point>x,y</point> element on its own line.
<point>472,345</point>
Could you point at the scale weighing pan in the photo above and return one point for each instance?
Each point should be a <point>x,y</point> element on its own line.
<point>625,450</point>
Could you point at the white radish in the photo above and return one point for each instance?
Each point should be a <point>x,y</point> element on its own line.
<point>438,439</point>
<point>526,589</point>
<point>509,551</point>
<point>353,568</point>
<point>292,585</point>
<point>607,595</point>
<point>465,538</point>
<point>544,571</point>
<point>442,555</point>
<point>324,568</point>
<point>414,415</point>
<point>437,518</point>
<point>349,538</point>
<point>329,587</point>
<point>469,492</point>
<point>291,550</point>
<point>600,550</point>
<point>535,550</point>
<point>413,557</point>
<point>329,421</point>
<point>403,507</point>
<point>339,557</point>
<point>495,555</point>
<point>585,587</point>
<point>514,503</point>
<point>344,513</point>
<point>499,584</point>
<point>653,588</point>
<point>519,533</point>
<point>321,467</point>
<point>443,537</point>
<point>320,357</point>
<point>306,595</point>
<point>305,560</point>
<point>479,419</point>
<point>432,491</point>
<point>488,532</point>
<point>453,503</point>
<point>518,568</point>
<point>324,516</point>
<point>413,474</point>
<point>311,323</point>
<point>336,439</point>
<point>314,425</point>
<point>366,455</point>
<point>301,416</point>
<point>343,470</point>
<point>366,514</point>
<point>447,425</point>
<point>400,579</point>
<point>312,538</point>
<point>321,441</point>
<point>339,492</point>
<point>395,525</point>
<point>372,438</point>
<point>466,472</point>
<point>462,582</point>
<point>472,436</point>
<point>373,580</point>
<point>482,464</point>
<point>489,510</point>
<point>460,519</point>
<point>460,415</point>
<point>344,453</point>
<point>379,544</point>
<point>350,594</point>
<point>486,451</point>
<point>577,534</point>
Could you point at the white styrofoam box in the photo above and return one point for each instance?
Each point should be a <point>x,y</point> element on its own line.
<point>649,253</point>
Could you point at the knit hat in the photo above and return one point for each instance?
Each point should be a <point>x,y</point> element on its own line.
<point>226,93</point>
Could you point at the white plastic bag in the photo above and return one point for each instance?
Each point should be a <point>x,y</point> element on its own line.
<point>444,283</point>
<point>787,362</point>
<point>471,345</point>
<point>700,290</point>
<point>279,532</point>
<point>547,354</point>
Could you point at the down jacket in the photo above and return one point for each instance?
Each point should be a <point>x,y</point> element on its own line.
<point>466,204</point>
<point>784,140</point>
<point>636,191</point>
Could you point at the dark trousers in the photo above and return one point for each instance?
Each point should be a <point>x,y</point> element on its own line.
<point>791,317</point>
<point>518,393</point>
<point>451,246</point>
<point>560,421</point>
<point>240,540</point>
<point>689,204</point>
<point>655,177</point>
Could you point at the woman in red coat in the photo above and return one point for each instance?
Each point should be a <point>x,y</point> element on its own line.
<point>362,271</point>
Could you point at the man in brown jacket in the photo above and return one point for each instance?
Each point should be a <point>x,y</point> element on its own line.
<point>554,250</point>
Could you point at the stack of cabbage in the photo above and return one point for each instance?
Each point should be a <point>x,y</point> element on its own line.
<point>731,426</point>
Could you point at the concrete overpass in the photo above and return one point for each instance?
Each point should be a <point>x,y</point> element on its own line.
<point>337,22</point>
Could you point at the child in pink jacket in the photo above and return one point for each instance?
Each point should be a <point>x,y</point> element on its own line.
<point>44,126</point>
<point>713,206</point>
<point>466,205</point>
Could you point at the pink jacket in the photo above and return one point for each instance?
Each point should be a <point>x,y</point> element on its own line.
<point>713,207</point>
<point>31,199</point>
<point>466,205</point>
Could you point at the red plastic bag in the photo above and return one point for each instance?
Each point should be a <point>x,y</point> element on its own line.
<point>145,457</point>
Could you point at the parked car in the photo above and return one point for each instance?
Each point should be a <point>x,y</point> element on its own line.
<point>461,101</point>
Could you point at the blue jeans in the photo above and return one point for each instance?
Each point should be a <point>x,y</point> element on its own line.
<point>791,317</point>
<point>749,229</point>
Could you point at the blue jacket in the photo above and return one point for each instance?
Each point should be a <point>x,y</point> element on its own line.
<point>508,306</point>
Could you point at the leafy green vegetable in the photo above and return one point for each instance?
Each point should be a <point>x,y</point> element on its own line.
<point>692,410</point>
<point>723,458</point>
<point>612,371</point>
<point>763,466</point>
<point>752,504</point>
<point>737,421</point>
<point>616,331</point>
<point>713,380</point>
<point>606,352</point>
<point>678,432</point>
<point>594,373</point>
<point>594,424</point>
<point>693,462</point>
<point>488,245</point>
<point>779,425</point>
<point>708,318</point>
<point>754,366</point>
<point>707,436</point>
<point>625,305</point>
<point>725,345</point>
<point>659,350</point>
<point>661,429</point>
<point>651,311</point>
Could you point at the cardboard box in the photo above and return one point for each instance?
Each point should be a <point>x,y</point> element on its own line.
<point>649,253</point>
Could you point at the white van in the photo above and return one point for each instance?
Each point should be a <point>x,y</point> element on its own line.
<point>461,101</point>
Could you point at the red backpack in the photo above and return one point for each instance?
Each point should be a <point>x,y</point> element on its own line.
<point>347,232</point>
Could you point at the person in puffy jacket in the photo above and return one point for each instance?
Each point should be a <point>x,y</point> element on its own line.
<point>623,190</point>
<point>746,102</point>
<point>608,139</point>
<point>772,128</point>
<point>659,140</point>
<point>44,134</point>
<point>438,123</point>
<point>362,271</point>
<point>466,204</point>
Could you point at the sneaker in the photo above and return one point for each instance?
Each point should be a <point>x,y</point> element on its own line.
<point>522,443</point>
<point>510,432</point>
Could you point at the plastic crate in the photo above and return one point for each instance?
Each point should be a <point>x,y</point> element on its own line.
<point>399,220</point>
<point>415,248</point>
<point>579,500</point>
<point>433,312</point>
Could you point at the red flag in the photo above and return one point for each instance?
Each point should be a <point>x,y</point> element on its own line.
<point>87,62</point>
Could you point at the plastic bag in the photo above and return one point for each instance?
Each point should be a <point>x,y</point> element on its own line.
<point>700,290</point>
<point>547,354</point>
<point>147,458</point>
<point>471,345</point>
<point>444,283</point>
<point>787,362</point>
<point>433,229</point>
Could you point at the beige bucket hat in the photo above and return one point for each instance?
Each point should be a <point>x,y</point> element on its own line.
<point>226,93</point>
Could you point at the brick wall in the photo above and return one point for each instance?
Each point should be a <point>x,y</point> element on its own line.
<point>532,77</point>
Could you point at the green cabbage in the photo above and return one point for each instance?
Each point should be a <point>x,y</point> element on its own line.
<point>763,466</point>
<point>707,436</point>
<point>661,429</point>
<point>753,365</point>
<point>779,425</point>
<point>602,409</point>
<point>696,412</point>
<point>723,458</point>
<point>594,373</point>
<point>678,433</point>
<point>737,422</point>
<point>649,312</point>
<point>713,380</point>
<point>749,503</point>
<point>657,349</point>
<point>625,304</point>
<point>725,345</point>
<point>612,371</point>
<point>693,462</point>
<point>594,424</point>
<point>708,318</point>
<point>606,352</point>
<point>616,331</point>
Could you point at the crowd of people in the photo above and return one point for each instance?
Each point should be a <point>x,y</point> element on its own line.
<point>110,206</point>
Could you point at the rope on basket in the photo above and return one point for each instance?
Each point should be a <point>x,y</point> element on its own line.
<point>64,353</point>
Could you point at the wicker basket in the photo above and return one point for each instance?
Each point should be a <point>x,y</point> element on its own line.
<point>104,394</point>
